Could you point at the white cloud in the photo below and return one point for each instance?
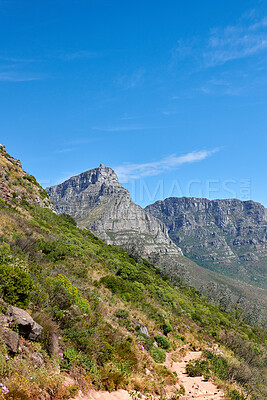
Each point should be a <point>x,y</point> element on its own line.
<point>247,38</point>
<point>125,128</point>
<point>18,77</point>
<point>135,171</point>
<point>235,42</point>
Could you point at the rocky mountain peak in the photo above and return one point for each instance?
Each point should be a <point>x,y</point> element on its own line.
<point>98,202</point>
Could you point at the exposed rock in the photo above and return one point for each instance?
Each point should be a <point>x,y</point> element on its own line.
<point>227,236</point>
<point>37,359</point>
<point>16,185</point>
<point>142,328</point>
<point>99,203</point>
<point>10,338</point>
<point>4,321</point>
<point>27,326</point>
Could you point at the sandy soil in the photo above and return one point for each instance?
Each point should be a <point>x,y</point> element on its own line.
<point>195,387</point>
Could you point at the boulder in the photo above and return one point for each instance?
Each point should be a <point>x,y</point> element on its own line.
<point>142,328</point>
<point>10,338</point>
<point>4,321</point>
<point>37,359</point>
<point>28,328</point>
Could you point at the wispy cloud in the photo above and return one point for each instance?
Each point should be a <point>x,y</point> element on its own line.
<point>136,171</point>
<point>125,128</point>
<point>235,42</point>
<point>62,151</point>
<point>81,54</point>
<point>130,81</point>
<point>220,87</point>
<point>224,44</point>
<point>18,77</point>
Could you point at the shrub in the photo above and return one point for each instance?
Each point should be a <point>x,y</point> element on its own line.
<point>158,355</point>
<point>15,285</point>
<point>198,368</point>
<point>235,395</point>
<point>122,314</point>
<point>163,342</point>
<point>64,294</point>
<point>167,328</point>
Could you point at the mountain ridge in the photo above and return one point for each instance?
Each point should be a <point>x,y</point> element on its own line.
<point>225,235</point>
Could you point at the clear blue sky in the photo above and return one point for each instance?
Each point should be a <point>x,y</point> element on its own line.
<point>172,94</point>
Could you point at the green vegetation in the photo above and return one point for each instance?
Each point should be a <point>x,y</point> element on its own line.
<point>91,293</point>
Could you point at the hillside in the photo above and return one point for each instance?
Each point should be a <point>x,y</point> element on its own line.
<point>226,236</point>
<point>107,321</point>
<point>98,202</point>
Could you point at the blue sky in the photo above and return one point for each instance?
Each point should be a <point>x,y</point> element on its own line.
<point>172,94</point>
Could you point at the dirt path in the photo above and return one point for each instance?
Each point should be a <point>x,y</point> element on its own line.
<point>195,387</point>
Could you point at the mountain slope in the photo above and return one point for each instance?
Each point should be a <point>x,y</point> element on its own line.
<point>226,236</point>
<point>98,202</point>
<point>103,313</point>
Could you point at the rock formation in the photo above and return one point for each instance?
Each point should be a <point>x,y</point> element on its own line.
<point>227,236</point>
<point>99,203</point>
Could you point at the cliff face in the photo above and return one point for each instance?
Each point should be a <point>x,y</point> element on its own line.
<point>99,203</point>
<point>227,236</point>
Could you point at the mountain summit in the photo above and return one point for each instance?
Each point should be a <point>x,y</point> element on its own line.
<point>98,202</point>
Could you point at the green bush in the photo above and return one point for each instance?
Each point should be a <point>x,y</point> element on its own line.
<point>64,294</point>
<point>158,355</point>
<point>163,342</point>
<point>122,314</point>
<point>167,328</point>
<point>198,368</point>
<point>235,395</point>
<point>15,285</point>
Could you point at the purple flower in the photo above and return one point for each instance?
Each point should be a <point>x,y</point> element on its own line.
<point>142,347</point>
<point>159,333</point>
<point>6,207</point>
<point>4,389</point>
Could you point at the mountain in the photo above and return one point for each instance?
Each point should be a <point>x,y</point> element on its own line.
<point>98,202</point>
<point>226,236</point>
<point>78,315</point>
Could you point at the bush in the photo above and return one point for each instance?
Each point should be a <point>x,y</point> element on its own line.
<point>163,342</point>
<point>158,355</point>
<point>198,368</point>
<point>15,285</point>
<point>64,294</point>
<point>235,395</point>
<point>167,328</point>
<point>124,314</point>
